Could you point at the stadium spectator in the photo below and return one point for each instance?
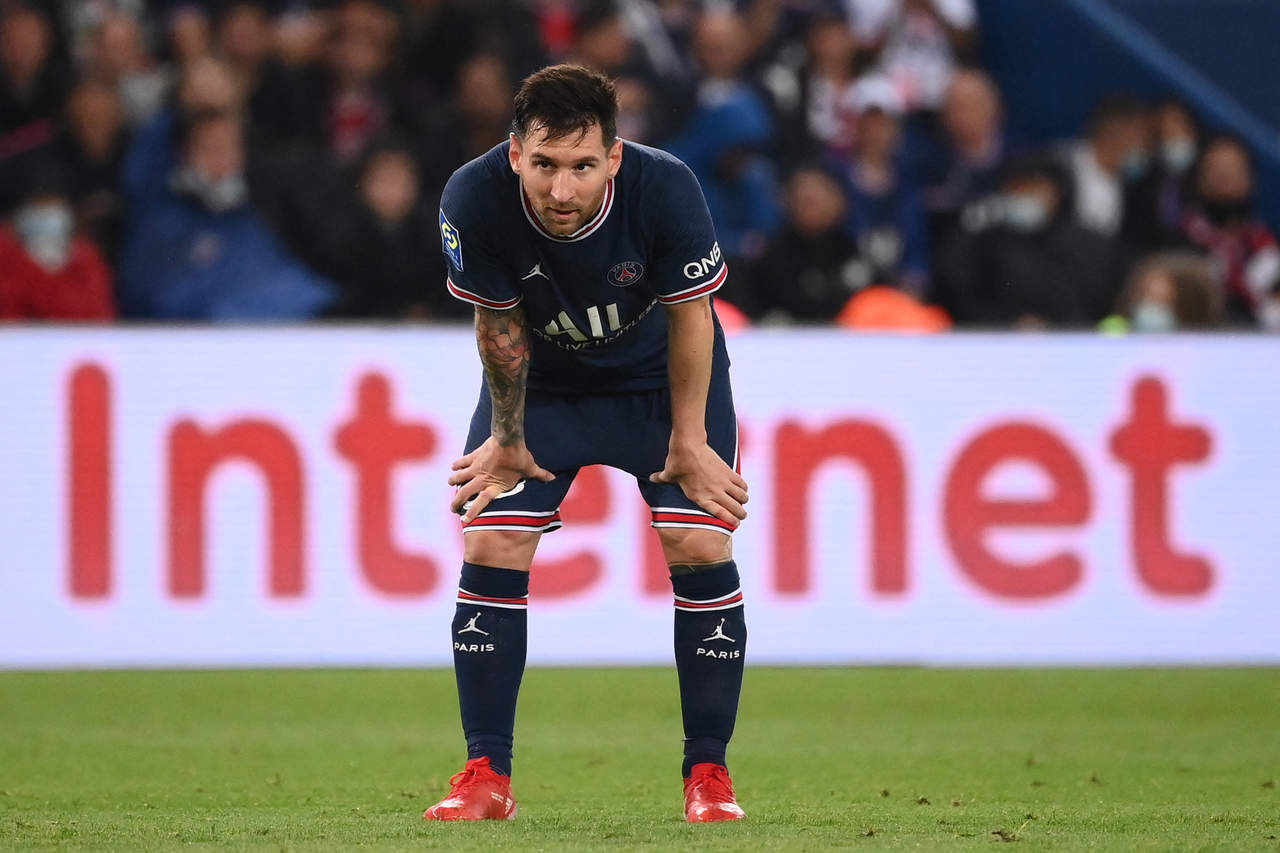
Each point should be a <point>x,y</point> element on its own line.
<point>47,272</point>
<point>1222,221</point>
<point>207,87</point>
<point>639,117</point>
<point>32,89</point>
<point>198,250</point>
<point>974,148</point>
<point>477,118</point>
<point>352,97</point>
<point>653,28</point>
<point>1022,260</point>
<point>190,34</point>
<point>93,146</point>
<point>299,36</point>
<point>885,214</point>
<point>1112,154</point>
<point>1169,291</point>
<point>829,91</point>
<point>119,57</point>
<point>244,36</point>
<point>1154,206</point>
<point>918,44</point>
<point>390,267</point>
<point>440,36</point>
<point>810,267</point>
<point>600,39</point>
<point>723,140</point>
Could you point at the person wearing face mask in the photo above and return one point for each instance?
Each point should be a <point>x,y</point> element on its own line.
<point>1221,220</point>
<point>200,251</point>
<point>1166,292</point>
<point>1112,156</point>
<point>1154,205</point>
<point>1020,259</point>
<point>47,272</point>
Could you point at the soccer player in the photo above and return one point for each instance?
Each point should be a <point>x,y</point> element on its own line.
<point>591,262</point>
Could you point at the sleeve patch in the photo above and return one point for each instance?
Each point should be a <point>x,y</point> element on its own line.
<point>450,241</point>
<point>699,267</point>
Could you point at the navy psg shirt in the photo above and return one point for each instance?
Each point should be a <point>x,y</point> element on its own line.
<point>593,298</point>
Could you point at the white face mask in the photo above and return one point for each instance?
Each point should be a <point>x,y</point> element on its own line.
<point>219,196</point>
<point>1178,154</point>
<point>1154,317</point>
<point>1135,164</point>
<point>1024,213</point>
<point>45,231</point>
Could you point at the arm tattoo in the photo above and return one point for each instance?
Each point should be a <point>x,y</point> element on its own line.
<point>503,341</point>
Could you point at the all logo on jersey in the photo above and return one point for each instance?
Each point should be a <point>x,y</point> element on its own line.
<point>626,273</point>
<point>451,240</point>
<point>698,268</point>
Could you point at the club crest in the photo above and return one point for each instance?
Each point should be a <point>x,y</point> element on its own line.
<point>626,273</point>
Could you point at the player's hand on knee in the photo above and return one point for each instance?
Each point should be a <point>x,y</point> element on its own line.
<point>490,470</point>
<point>706,480</point>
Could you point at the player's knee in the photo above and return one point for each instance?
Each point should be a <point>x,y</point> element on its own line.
<point>501,549</point>
<point>691,546</point>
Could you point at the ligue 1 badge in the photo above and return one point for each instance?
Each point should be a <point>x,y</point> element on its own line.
<point>451,240</point>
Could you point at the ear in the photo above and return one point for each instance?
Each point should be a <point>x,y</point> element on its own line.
<point>615,157</point>
<point>515,153</point>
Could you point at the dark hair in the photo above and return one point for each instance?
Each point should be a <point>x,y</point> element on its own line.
<point>44,175</point>
<point>565,99</point>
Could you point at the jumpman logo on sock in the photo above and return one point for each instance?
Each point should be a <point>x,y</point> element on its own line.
<point>717,634</point>
<point>470,627</point>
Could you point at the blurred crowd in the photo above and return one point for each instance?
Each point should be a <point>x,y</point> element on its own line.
<point>237,160</point>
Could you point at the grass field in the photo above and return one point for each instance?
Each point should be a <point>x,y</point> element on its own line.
<point>878,759</point>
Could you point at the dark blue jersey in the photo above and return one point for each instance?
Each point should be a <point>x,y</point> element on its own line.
<point>593,297</point>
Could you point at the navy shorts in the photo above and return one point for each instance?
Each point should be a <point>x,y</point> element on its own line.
<point>626,430</point>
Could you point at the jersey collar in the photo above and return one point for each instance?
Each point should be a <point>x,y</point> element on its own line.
<point>586,230</point>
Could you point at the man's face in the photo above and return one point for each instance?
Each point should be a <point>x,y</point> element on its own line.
<point>216,149</point>
<point>565,177</point>
<point>1225,173</point>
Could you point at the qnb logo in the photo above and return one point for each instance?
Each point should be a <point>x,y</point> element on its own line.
<point>699,268</point>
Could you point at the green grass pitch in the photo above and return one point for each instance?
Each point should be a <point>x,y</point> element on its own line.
<point>871,759</point>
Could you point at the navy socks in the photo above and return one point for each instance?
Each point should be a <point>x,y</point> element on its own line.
<point>710,646</point>
<point>489,643</point>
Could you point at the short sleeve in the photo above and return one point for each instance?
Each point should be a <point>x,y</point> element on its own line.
<point>688,263</point>
<point>476,273</point>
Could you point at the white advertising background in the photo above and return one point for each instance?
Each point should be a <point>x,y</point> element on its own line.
<point>931,396</point>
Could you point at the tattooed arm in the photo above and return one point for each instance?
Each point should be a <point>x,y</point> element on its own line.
<point>503,460</point>
<point>502,338</point>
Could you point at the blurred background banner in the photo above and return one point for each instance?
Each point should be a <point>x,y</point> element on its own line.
<point>232,498</point>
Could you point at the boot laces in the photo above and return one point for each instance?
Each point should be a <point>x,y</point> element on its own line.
<point>468,777</point>
<point>715,785</point>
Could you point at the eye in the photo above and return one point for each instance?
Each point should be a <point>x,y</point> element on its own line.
<point>582,167</point>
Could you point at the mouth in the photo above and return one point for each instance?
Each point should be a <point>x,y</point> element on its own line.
<point>558,215</point>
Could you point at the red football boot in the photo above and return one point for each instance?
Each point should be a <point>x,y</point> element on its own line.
<point>708,795</point>
<point>478,793</point>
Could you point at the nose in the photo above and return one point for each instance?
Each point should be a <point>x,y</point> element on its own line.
<point>562,188</point>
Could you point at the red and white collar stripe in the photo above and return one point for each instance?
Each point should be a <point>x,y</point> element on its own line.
<point>585,231</point>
